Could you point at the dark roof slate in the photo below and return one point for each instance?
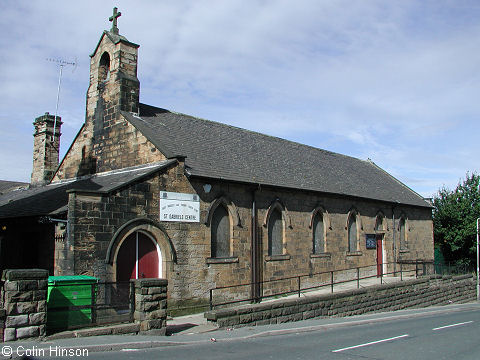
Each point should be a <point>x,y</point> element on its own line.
<point>52,199</point>
<point>114,38</point>
<point>7,186</point>
<point>216,150</point>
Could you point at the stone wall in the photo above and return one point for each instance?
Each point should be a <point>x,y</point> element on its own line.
<point>96,223</point>
<point>25,303</point>
<point>298,258</point>
<point>434,290</point>
<point>94,219</point>
<point>151,305</point>
<point>3,315</point>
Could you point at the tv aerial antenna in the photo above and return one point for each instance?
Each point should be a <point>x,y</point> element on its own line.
<point>61,64</point>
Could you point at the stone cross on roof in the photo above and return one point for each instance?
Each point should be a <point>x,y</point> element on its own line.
<point>113,19</point>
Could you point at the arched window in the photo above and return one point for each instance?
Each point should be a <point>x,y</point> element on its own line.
<point>379,223</point>
<point>318,234</point>
<point>401,230</point>
<point>275,233</point>
<point>104,68</point>
<point>220,233</point>
<point>352,233</point>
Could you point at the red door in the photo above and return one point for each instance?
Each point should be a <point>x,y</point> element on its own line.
<point>147,257</point>
<point>137,258</point>
<point>379,255</point>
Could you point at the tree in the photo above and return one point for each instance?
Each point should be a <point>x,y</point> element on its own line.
<point>454,221</point>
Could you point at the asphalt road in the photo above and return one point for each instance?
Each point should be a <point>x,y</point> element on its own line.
<point>449,335</point>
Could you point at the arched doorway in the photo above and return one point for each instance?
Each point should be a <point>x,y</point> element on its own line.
<point>139,257</point>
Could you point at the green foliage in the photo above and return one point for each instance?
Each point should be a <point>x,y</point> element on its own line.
<point>455,221</point>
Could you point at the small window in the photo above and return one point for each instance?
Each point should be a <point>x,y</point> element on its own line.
<point>220,233</point>
<point>401,228</point>
<point>352,233</point>
<point>275,233</point>
<point>379,223</point>
<point>318,234</point>
<point>104,68</point>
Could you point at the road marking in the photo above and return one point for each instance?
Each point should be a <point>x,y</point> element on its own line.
<point>449,326</point>
<point>371,343</point>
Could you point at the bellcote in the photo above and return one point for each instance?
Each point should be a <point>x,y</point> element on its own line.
<point>114,85</point>
<point>121,54</point>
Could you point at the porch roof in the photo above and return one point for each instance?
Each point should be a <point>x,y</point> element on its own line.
<point>52,199</point>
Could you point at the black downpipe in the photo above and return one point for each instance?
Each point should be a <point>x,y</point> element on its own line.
<point>394,245</point>
<point>255,281</point>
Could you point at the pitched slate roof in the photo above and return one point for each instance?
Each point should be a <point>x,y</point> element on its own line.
<point>52,199</point>
<point>7,186</point>
<point>219,151</point>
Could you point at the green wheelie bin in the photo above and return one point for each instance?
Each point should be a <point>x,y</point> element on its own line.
<point>70,301</point>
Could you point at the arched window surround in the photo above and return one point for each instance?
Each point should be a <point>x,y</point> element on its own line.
<point>154,231</point>
<point>277,206</point>
<point>380,217</point>
<point>221,241</point>
<point>232,210</point>
<point>403,243</point>
<point>234,220</point>
<point>320,211</point>
<point>104,67</point>
<point>354,248</point>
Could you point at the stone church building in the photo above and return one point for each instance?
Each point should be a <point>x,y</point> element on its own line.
<point>147,192</point>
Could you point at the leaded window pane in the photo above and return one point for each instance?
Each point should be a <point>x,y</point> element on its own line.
<point>379,225</point>
<point>403,243</point>
<point>220,233</point>
<point>318,234</point>
<point>275,233</point>
<point>352,234</point>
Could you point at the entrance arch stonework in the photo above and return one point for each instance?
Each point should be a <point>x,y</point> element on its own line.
<point>138,256</point>
<point>147,229</point>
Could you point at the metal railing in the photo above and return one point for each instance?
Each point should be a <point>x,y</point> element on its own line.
<point>302,283</point>
<point>83,305</point>
<point>454,268</point>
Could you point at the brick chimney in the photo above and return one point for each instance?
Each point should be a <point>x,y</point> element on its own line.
<point>46,145</point>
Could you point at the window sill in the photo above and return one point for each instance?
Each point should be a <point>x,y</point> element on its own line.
<point>403,251</point>
<point>228,260</point>
<point>354,253</point>
<point>277,257</point>
<point>321,255</point>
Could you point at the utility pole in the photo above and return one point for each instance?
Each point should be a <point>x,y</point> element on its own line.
<point>478,281</point>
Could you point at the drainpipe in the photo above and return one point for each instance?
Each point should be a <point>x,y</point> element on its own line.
<point>254,250</point>
<point>394,244</point>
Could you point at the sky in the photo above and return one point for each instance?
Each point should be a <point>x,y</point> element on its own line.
<point>393,81</point>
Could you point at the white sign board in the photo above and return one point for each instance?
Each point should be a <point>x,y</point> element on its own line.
<point>179,207</point>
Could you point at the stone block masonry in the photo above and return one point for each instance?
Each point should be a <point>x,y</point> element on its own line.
<point>428,291</point>
<point>151,305</point>
<point>24,303</point>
